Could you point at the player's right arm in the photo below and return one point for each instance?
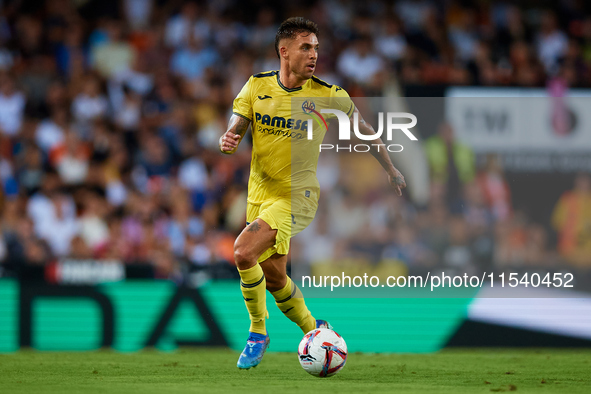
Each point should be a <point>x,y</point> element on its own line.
<point>241,118</point>
<point>231,138</point>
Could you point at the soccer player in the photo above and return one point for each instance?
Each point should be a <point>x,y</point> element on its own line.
<point>281,200</point>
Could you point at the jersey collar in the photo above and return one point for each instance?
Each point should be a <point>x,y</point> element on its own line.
<point>288,89</point>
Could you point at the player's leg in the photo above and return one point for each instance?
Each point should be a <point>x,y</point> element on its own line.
<point>292,216</point>
<point>288,297</point>
<point>255,239</point>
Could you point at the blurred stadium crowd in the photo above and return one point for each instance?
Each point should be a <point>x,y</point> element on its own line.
<point>110,113</point>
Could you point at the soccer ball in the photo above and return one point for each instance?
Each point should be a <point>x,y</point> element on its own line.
<point>322,352</point>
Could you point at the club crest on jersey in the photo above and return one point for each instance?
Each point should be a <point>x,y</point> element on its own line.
<point>308,106</point>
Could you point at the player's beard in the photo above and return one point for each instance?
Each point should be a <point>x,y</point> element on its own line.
<point>307,73</point>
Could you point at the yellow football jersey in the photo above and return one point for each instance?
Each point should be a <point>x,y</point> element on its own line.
<point>284,160</point>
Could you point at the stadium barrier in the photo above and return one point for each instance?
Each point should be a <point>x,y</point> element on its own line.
<point>132,314</point>
<point>129,315</point>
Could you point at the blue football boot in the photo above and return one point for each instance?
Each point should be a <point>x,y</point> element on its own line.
<point>254,350</point>
<point>323,324</point>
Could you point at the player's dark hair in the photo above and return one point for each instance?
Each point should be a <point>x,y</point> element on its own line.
<point>291,27</point>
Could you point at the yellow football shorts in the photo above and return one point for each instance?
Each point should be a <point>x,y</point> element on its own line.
<point>289,216</point>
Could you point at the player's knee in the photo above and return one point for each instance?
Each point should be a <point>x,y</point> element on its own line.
<point>244,257</point>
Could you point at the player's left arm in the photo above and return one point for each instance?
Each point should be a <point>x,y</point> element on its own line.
<point>394,176</point>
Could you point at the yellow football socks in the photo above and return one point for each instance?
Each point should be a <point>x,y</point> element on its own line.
<point>253,286</point>
<point>291,302</point>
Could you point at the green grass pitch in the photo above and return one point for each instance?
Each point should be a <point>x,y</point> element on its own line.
<point>214,371</point>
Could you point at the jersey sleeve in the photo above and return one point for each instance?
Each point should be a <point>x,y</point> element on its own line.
<point>243,102</point>
<point>342,100</point>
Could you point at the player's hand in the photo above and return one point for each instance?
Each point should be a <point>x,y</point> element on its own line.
<point>397,180</point>
<point>229,142</point>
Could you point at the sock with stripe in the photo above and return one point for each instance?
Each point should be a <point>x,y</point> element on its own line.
<point>253,286</point>
<point>291,302</point>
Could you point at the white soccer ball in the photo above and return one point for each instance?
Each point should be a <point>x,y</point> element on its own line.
<point>322,352</point>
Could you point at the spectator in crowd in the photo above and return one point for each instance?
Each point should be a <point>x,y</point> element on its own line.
<point>138,13</point>
<point>191,61</point>
<point>115,54</point>
<point>572,221</point>
<point>51,131</point>
<point>90,104</point>
<point>409,250</point>
<point>475,209</point>
<point>72,50</point>
<point>360,63</point>
<point>12,106</point>
<point>94,231</point>
<point>414,13</point>
<point>458,255</point>
<point>463,35</point>
<point>511,240</point>
<point>552,43</point>
<point>128,112</point>
<point>537,251</point>
<point>71,159</point>
<point>185,25</point>
<point>451,163</point>
<point>390,41</point>
<point>30,169</point>
<point>59,226</point>
<point>6,165</point>
<point>495,188</point>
